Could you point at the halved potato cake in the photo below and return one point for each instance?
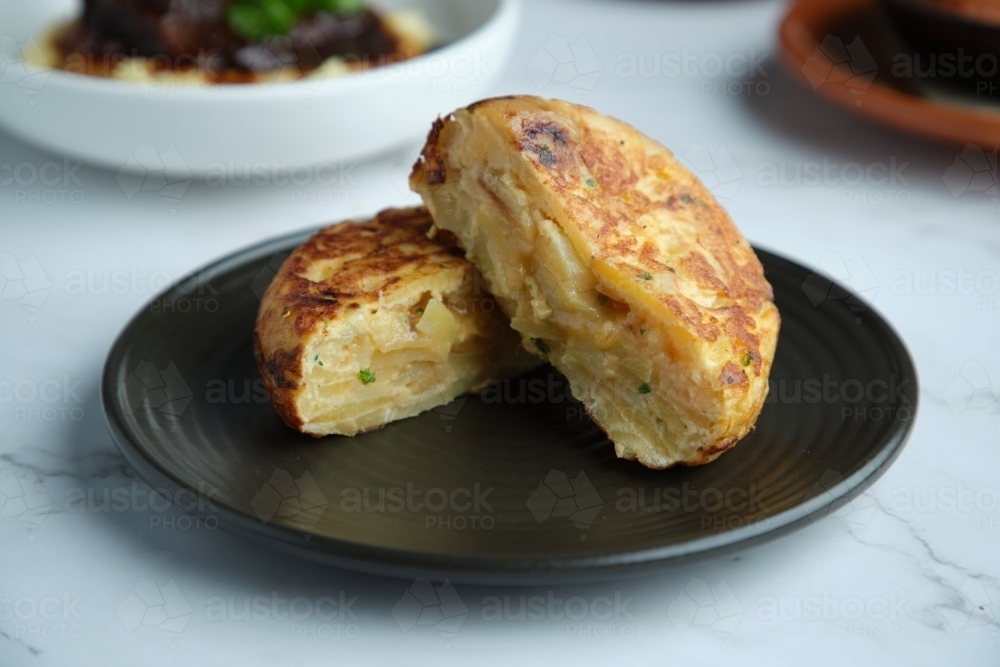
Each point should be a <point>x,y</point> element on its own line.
<point>371,322</point>
<point>615,264</point>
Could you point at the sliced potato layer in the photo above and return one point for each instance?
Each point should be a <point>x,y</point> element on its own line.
<point>615,264</point>
<point>371,322</point>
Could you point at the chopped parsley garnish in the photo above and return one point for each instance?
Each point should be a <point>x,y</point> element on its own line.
<point>542,346</point>
<point>366,376</point>
<point>318,360</point>
<point>747,358</point>
<point>686,198</point>
<point>256,19</point>
<point>591,183</point>
<point>420,310</point>
<point>642,332</point>
<point>646,276</point>
<point>644,388</point>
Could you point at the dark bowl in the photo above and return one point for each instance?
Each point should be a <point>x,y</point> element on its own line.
<point>946,46</point>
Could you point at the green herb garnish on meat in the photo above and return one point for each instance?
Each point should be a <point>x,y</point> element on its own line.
<point>256,19</point>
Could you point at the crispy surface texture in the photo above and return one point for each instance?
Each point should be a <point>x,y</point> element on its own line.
<point>371,322</point>
<point>615,264</point>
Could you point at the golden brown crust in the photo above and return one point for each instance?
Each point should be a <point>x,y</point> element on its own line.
<point>633,181</point>
<point>281,374</point>
<point>567,154</point>
<point>647,229</point>
<point>707,454</point>
<point>348,265</point>
<point>430,159</point>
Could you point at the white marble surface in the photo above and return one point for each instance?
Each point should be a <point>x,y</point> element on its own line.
<point>907,575</point>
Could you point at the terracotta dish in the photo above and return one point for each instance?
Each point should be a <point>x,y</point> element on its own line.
<point>851,52</point>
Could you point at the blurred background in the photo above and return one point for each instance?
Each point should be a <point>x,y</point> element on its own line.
<point>836,133</point>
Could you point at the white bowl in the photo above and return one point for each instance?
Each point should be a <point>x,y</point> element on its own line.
<point>197,130</point>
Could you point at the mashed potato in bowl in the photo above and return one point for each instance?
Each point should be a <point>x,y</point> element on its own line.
<point>225,41</point>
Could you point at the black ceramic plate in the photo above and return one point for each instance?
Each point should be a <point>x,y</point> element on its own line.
<point>516,485</point>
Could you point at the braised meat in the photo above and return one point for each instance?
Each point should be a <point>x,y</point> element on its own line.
<point>183,34</point>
